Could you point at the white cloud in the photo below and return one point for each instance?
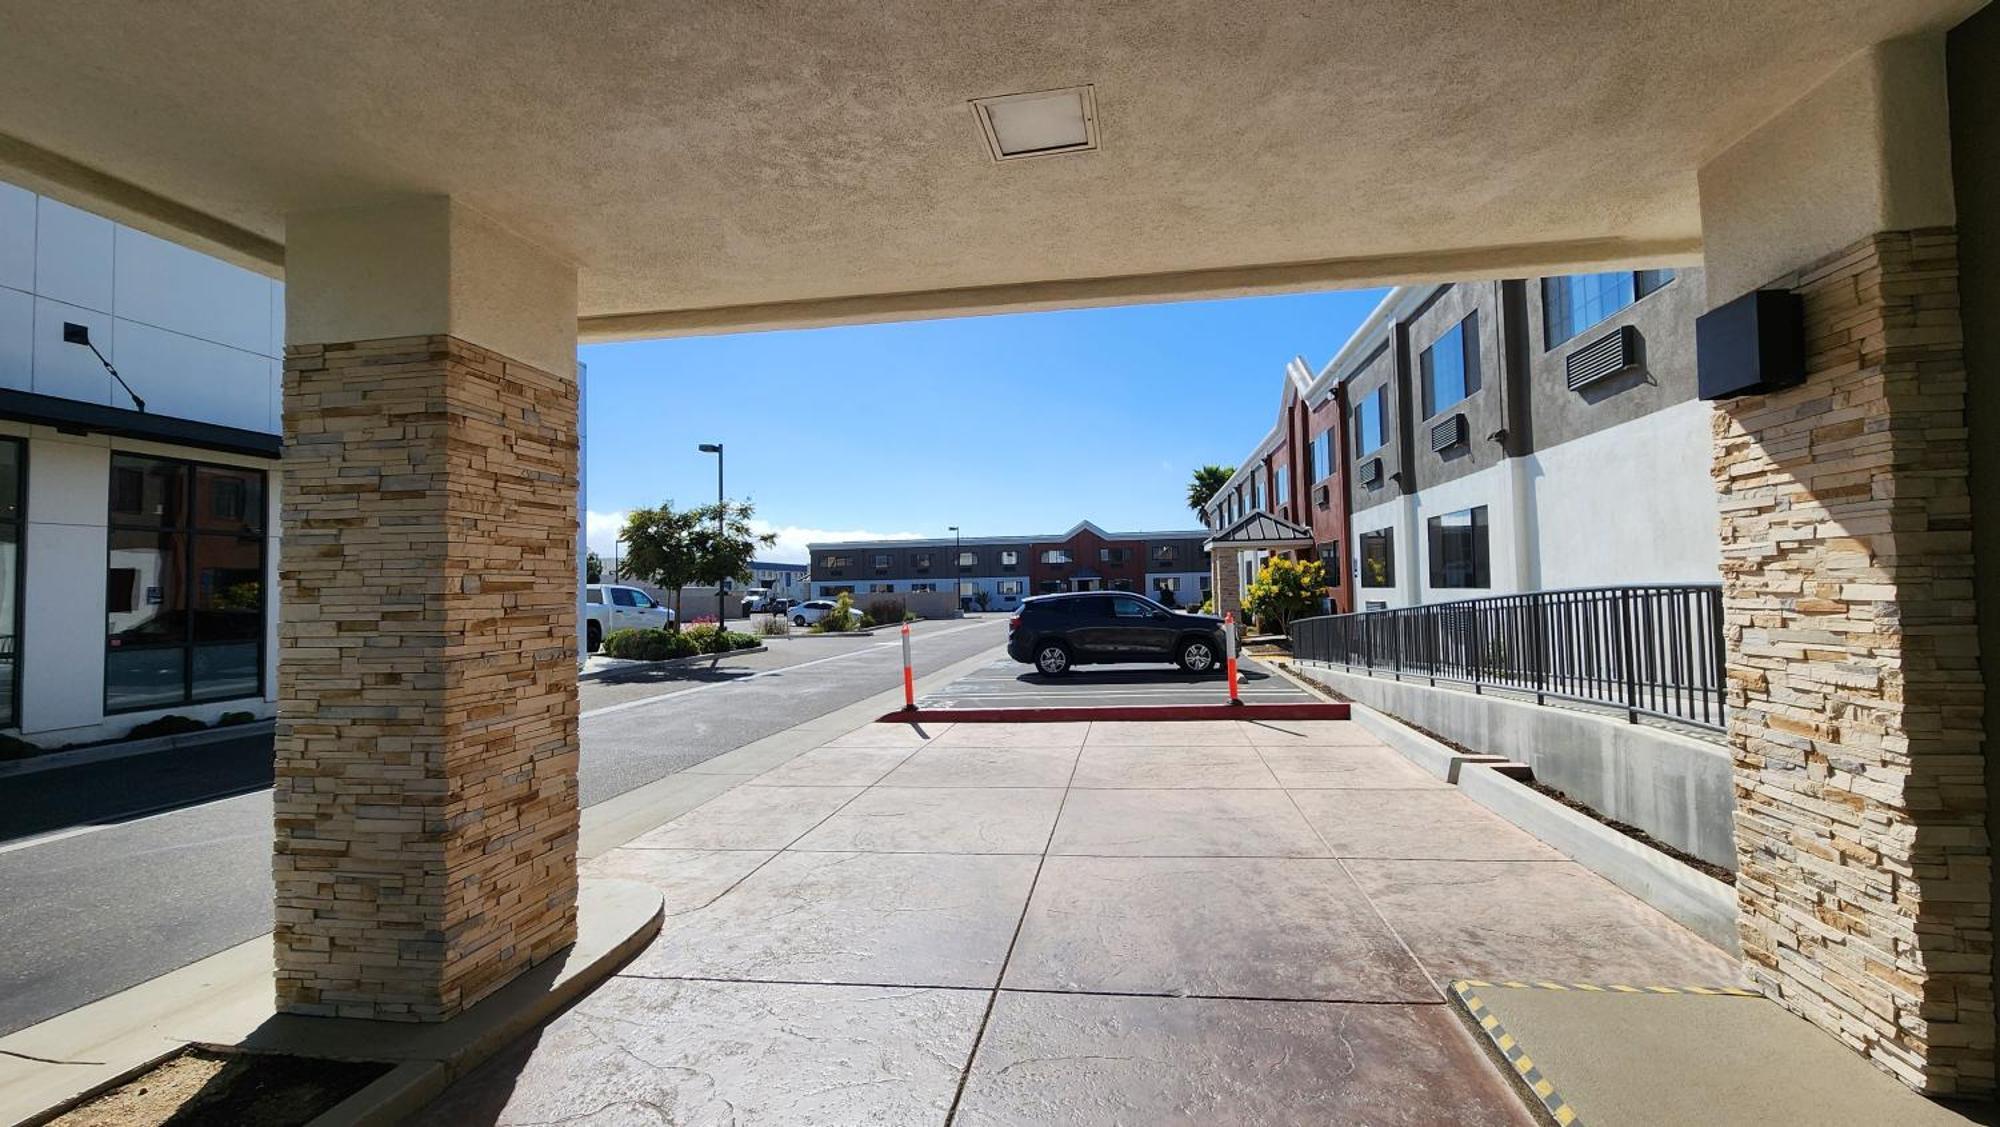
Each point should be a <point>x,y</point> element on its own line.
<point>601,532</point>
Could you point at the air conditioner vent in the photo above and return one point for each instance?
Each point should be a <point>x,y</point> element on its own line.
<point>1448,433</point>
<point>1323,496</point>
<point>1371,472</point>
<point>1604,357</point>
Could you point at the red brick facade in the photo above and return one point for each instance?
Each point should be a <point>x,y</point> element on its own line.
<point>1086,560</point>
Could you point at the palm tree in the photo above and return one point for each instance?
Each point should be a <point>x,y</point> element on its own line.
<point>1206,483</point>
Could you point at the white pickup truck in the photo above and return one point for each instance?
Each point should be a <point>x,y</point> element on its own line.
<point>607,607</point>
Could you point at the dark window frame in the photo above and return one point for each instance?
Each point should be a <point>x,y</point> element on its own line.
<point>188,529</point>
<point>1364,545</point>
<point>1467,331</point>
<point>1461,555</point>
<point>1556,301</point>
<point>1378,399</point>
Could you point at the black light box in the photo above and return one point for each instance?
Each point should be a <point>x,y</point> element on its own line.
<point>1752,345</point>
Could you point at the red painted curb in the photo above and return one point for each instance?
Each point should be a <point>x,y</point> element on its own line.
<point>1118,712</point>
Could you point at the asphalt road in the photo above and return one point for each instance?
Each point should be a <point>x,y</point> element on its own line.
<point>112,900</point>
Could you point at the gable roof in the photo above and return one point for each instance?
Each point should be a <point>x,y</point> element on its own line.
<point>1261,530</point>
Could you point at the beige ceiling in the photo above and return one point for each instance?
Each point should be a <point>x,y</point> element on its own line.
<point>703,162</point>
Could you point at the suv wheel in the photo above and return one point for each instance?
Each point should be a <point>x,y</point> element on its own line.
<point>1197,655</point>
<point>1052,659</point>
<point>593,637</point>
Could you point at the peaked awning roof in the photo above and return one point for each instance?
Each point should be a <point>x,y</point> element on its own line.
<point>1261,530</point>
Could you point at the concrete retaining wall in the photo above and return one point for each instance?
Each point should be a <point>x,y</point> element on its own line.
<point>1675,787</point>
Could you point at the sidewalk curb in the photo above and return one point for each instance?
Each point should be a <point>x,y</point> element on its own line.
<point>83,756</point>
<point>667,662</point>
<point>1117,712</point>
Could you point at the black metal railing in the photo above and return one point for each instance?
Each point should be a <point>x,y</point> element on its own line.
<point>1652,650</point>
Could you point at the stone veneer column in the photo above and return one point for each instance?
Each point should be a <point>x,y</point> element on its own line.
<point>427,736</point>
<point>1226,579</point>
<point>1854,689</point>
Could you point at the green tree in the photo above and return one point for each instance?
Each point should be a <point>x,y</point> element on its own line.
<point>660,547</point>
<point>1284,590</point>
<point>593,568</point>
<point>726,553</point>
<point>1206,483</point>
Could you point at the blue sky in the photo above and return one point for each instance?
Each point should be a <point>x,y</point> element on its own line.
<point>1022,423</point>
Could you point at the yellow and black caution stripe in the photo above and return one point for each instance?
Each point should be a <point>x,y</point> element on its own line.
<point>1466,991</point>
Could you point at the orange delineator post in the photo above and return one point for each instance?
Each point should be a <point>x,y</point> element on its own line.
<point>909,678</point>
<point>1229,648</point>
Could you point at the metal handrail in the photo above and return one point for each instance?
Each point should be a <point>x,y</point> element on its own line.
<point>1649,649</point>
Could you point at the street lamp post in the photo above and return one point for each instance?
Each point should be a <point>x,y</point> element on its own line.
<point>958,568</point>
<point>721,513</point>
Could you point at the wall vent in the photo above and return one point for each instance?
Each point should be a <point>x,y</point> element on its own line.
<point>1371,472</point>
<point>1448,433</point>
<point>1604,357</point>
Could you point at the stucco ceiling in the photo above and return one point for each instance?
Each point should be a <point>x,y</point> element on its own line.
<point>719,155</point>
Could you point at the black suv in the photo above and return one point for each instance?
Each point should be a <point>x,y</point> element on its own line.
<point>1054,632</point>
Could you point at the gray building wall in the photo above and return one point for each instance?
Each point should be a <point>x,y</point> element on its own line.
<point>1484,410</point>
<point>1666,376</point>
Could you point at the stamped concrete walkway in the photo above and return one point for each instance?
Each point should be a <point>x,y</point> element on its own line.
<point>1130,923</point>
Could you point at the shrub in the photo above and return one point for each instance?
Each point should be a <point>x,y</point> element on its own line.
<point>737,640</point>
<point>171,724</point>
<point>232,719</point>
<point>649,645</point>
<point>983,598</point>
<point>840,619</point>
<point>1284,590</point>
<point>867,621</point>
<point>909,616</point>
<point>883,608</point>
<point>775,626</point>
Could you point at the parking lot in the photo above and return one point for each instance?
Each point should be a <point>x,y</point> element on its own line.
<point>1009,684</point>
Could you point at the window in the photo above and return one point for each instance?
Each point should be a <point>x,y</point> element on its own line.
<point>1378,558</point>
<point>1010,559</point>
<point>1458,544</point>
<point>1574,303</point>
<point>1114,555</point>
<point>11,457</point>
<point>881,562</point>
<point>1166,555</point>
<point>1050,586</point>
<point>921,561</point>
<point>923,586</point>
<point>1207,581</point>
<point>1119,585</point>
<point>1055,556</point>
<point>184,584</point>
<point>1131,608</point>
<point>1283,489</point>
<point>1322,456</point>
<point>594,597</point>
<point>623,597</point>
<point>881,588</point>
<point>1450,366</point>
<point>1010,587</point>
<point>1261,500</point>
<point>1368,421</point>
<point>1329,555</point>
<point>967,561</point>
<point>835,563</point>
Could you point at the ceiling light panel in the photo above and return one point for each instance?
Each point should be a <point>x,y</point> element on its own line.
<point>1040,123</point>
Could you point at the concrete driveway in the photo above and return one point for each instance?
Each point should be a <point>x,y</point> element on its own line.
<point>1129,923</point>
<point>1009,684</point>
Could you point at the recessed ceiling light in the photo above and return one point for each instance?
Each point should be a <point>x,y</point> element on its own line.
<point>1038,124</point>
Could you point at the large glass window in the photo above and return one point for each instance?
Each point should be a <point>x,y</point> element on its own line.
<point>1458,544</point>
<point>11,458</point>
<point>1260,498</point>
<point>1055,556</point>
<point>1575,302</point>
<point>1282,490</point>
<point>1368,421</point>
<point>1322,456</point>
<point>184,584</point>
<point>1450,366</point>
<point>1378,558</point>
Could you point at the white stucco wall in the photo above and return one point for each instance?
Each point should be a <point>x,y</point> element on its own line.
<point>196,337</point>
<point>1629,504</point>
<point>1492,488</point>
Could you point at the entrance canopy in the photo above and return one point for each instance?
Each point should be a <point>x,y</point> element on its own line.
<point>719,166</point>
<point>1263,532</point>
